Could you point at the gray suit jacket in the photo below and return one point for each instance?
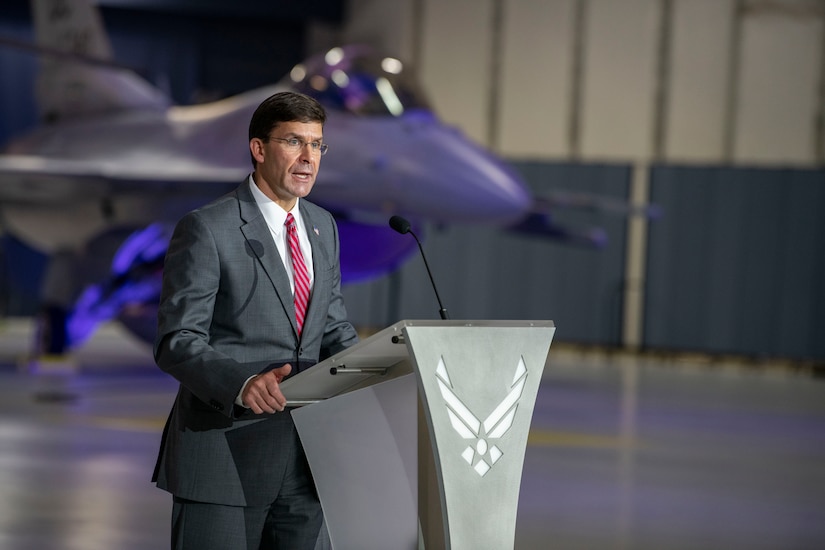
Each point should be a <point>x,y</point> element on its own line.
<point>226,313</point>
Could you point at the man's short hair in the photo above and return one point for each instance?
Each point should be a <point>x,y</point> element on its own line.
<point>284,107</point>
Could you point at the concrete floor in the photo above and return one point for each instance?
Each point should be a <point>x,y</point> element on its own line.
<point>624,453</point>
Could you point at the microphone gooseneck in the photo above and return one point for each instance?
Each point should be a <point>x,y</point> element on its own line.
<point>401,225</point>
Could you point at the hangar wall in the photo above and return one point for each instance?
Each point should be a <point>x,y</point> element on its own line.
<point>733,81</point>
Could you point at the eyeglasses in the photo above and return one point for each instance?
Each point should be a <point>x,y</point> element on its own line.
<point>297,144</point>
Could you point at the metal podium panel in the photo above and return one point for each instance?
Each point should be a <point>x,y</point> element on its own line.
<point>479,386</point>
<point>361,448</point>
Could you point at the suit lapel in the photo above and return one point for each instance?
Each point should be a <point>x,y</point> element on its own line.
<point>259,240</point>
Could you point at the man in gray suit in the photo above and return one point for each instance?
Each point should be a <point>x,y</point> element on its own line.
<point>228,332</point>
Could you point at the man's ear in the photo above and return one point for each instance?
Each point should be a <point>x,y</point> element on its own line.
<point>256,147</point>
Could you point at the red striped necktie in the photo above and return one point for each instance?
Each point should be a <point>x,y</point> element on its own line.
<point>299,269</point>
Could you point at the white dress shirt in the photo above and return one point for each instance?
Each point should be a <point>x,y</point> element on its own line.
<point>275,217</point>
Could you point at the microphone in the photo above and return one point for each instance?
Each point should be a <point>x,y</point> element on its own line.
<point>402,226</point>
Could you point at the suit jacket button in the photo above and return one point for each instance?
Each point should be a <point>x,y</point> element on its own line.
<point>216,404</point>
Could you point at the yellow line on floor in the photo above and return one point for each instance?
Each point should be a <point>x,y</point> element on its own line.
<point>542,438</point>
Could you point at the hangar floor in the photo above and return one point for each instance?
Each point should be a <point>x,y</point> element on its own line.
<point>625,453</point>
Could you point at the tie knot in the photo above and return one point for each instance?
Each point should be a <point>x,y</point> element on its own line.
<point>290,221</point>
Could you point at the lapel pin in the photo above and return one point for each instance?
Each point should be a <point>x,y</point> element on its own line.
<point>316,230</point>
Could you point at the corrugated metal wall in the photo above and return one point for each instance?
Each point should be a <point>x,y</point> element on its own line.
<point>737,263</point>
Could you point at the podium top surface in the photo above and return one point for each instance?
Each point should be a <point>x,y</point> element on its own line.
<point>469,323</point>
<point>385,351</point>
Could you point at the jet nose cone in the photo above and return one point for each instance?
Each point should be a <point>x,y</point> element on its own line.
<point>470,183</point>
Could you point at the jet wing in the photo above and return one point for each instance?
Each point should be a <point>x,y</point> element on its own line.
<point>40,180</point>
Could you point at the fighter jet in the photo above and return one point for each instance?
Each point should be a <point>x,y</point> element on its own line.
<point>116,162</point>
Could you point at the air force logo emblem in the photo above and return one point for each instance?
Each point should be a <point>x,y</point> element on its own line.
<point>480,454</point>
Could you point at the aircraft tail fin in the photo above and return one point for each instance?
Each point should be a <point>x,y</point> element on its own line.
<point>72,85</point>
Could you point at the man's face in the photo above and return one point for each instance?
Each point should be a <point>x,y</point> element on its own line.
<point>281,173</point>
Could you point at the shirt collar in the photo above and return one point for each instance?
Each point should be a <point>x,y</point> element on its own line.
<point>274,215</point>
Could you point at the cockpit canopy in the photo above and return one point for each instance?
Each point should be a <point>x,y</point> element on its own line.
<point>355,79</point>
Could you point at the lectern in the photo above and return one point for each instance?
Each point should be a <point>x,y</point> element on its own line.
<point>416,435</point>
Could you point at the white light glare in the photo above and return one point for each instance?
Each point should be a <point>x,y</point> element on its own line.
<point>391,100</point>
<point>391,65</point>
<point>298,73</point>
<point>340,78</point>
<point>334,56</point>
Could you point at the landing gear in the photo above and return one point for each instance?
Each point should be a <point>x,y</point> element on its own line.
<point>51,336</point>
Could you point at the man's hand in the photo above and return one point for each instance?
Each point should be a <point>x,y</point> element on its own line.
<point>263,392</point>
